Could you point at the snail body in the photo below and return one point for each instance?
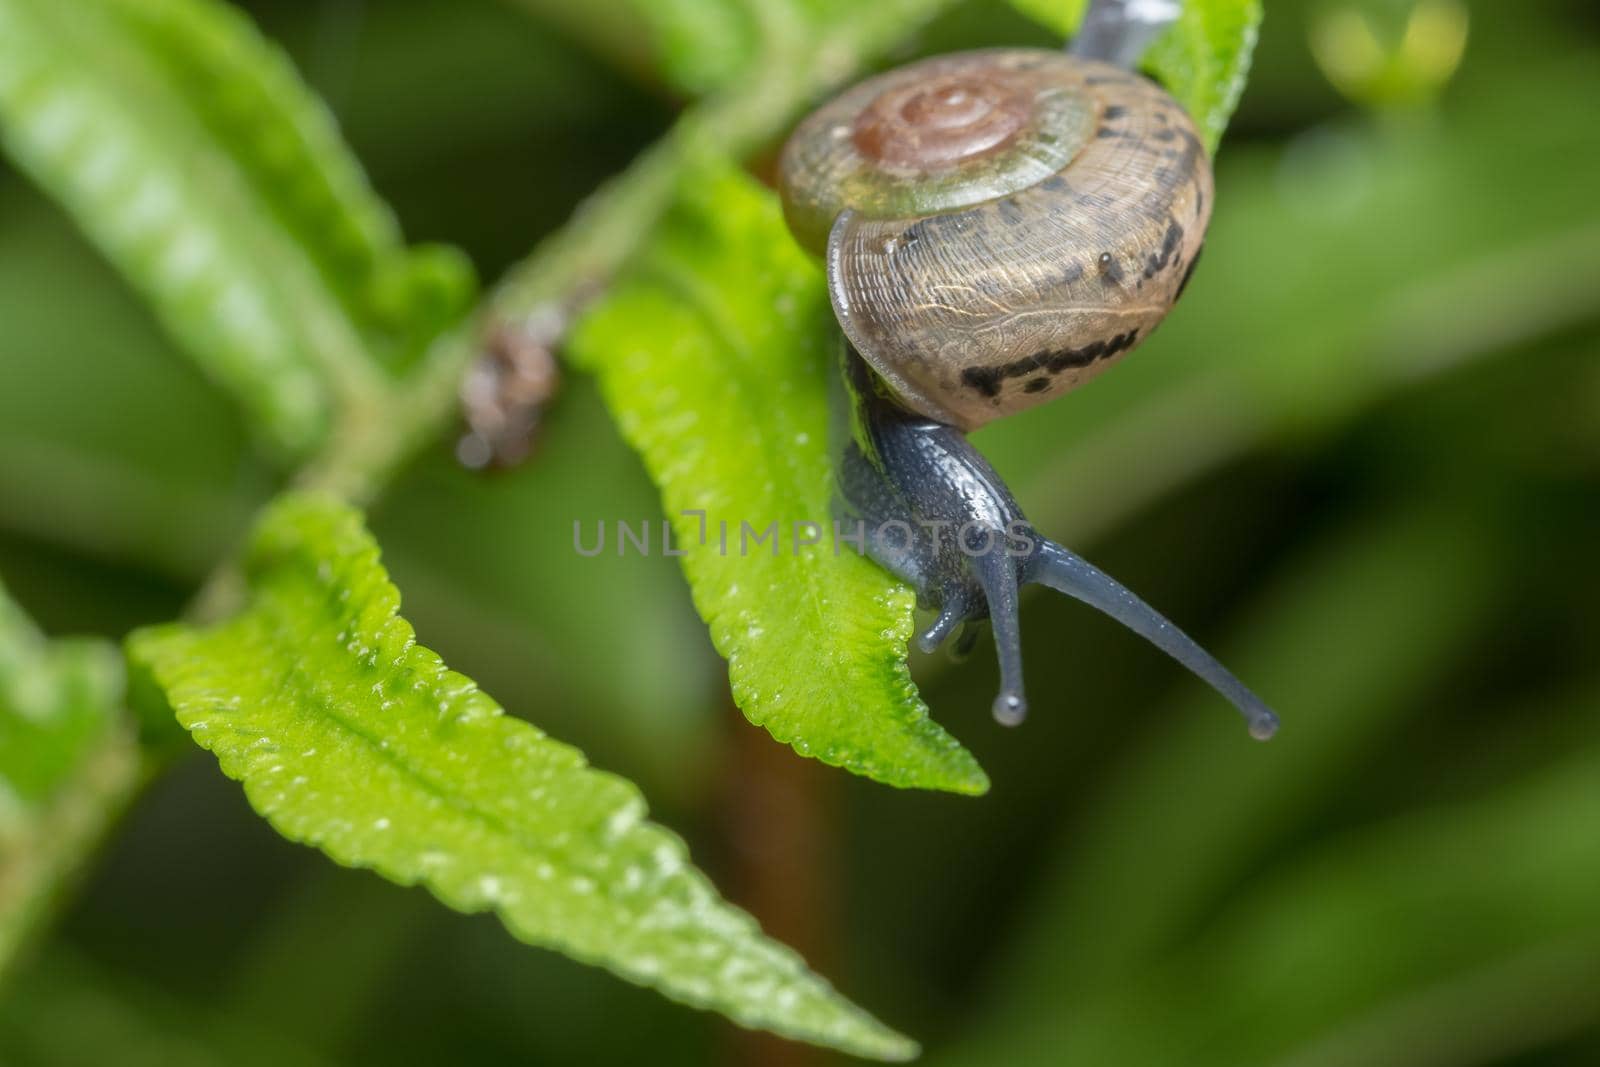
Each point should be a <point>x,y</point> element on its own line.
<point>998,227</point>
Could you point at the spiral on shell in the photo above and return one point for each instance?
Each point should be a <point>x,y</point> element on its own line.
<point>998,226</point>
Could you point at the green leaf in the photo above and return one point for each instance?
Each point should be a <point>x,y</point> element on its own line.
<point>716,356</point>
<point>1202,60</point>
<point>189,152</point>
<point>351,737</point>
<point>1205,58</point>
<point>64,757</point>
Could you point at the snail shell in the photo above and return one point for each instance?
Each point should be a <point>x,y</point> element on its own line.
<point>998,226</point>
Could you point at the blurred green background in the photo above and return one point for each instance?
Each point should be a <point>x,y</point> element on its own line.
<point>1362,463</point>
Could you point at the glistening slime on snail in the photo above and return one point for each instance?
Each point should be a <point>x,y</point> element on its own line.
<point>998,227</point>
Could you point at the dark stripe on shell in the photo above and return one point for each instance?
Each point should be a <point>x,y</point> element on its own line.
<point>987,380</point>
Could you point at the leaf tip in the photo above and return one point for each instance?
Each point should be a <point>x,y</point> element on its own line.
<point>963,776</point>
<point>897,1048</point>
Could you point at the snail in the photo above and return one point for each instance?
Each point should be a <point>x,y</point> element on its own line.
<point>998,227</point>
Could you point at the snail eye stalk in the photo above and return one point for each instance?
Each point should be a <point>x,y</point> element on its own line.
<point>997,575</point>
<point>1118,31</point>
<point>1067,573</point>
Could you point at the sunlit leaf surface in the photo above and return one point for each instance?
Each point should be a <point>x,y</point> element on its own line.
<point>716,355</point>
<point>351,737</point>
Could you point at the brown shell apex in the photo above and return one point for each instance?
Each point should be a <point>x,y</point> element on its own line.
<point>940,121</point>
<point>1004,224</point>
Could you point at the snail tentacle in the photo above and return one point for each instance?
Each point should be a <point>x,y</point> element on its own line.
<point>1068,573</point>
<point>951,615</point>
<point>1118,31</point>
<point>998,575</point>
